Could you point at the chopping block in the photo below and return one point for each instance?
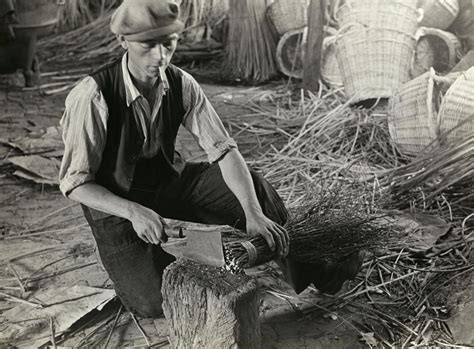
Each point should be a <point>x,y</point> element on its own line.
<point>208,307</point>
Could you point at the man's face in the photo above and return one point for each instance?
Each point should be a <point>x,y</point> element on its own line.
<point>148,56</point>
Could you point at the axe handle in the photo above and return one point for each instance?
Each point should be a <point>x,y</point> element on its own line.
<point>176,233</point>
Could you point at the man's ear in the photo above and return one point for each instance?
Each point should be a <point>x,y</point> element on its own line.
<point>122,41</point>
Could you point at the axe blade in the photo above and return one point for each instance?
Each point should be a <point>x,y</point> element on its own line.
<point>205,247</point>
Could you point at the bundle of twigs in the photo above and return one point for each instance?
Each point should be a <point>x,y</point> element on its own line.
<point>76,13</point>
<point>250,46</point>
<point>94,44</point>
<point>339,220</point>
<point>91,41</point>
<point>441,180</point>
<point>196,12</point>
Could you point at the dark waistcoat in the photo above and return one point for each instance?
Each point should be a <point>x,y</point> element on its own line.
<point>121,168</point>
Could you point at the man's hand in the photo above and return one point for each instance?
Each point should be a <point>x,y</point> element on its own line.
<point>275,235</point>
<point>149,225</point>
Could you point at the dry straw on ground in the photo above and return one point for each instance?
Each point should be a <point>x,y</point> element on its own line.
<point>402,293</point>
<point>309,137</point>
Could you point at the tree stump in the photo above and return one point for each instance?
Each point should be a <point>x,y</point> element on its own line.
<point>207,307</point>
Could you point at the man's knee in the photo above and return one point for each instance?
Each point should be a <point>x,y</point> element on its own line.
<point>145,308</point>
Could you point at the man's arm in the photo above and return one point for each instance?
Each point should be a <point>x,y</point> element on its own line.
<point>84,133</point>
<point>147,223</point>
<point>203,122</point>
<point>238,179</point>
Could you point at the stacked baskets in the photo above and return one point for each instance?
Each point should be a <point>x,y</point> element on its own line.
<point>288,15</point>
<point>439,13</point>
<point>374,46</point>
<point>435,48</point>
<point>457,109</point>
<point>414,121</point>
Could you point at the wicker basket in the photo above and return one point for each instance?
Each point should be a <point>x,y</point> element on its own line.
<point>435,48</point>
<point>290,52</point>
<point>330,72</point>
<point>413,118</point>
<point>288,15</point>
<point>456,113</point>
<point>374,46</point>
<point>439,14</point>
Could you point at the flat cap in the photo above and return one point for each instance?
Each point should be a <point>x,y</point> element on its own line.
<point>142,20</point>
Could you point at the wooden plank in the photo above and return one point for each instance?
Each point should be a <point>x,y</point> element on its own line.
<point>312,61</point>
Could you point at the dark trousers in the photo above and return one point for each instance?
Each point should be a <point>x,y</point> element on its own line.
<point>199,195</point>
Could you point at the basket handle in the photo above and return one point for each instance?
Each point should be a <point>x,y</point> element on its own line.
<point>346,27</point>
<point>444,80</point>
<point>429,105</point>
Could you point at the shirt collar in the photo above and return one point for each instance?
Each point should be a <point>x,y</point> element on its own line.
<point>131,90</point>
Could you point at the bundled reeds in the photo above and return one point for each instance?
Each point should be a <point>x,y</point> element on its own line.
<point>441,180</point>
<point>196,12</point>
<point>339,220</point>
<point>93,42</point>
<point>76,13</point>
<point>250,46</point>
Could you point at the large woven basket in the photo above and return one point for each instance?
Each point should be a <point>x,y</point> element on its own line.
<point>288,15</point>
<point>439,13</point>
<point>435,48</point>
<point>413,118</point>
<point>457,109</point>
<point>330,72</point>
<point>374,46</point>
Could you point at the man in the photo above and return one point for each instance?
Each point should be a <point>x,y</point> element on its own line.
<point>120,126</point>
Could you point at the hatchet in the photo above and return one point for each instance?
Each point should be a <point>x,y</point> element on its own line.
<point>203,245</point>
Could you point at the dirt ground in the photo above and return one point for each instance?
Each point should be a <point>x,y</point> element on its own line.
<point>47,244</point>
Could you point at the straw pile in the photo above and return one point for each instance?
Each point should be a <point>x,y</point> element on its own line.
<point>314,137</point>
<point>403,296</point>
<point>441,180</point>
<point>250,46</point>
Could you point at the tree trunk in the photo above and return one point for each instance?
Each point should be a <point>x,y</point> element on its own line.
<point>210,308</point>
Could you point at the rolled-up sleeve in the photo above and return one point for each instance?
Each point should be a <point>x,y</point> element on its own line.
<point>203,122</point>
<point>84,124</point>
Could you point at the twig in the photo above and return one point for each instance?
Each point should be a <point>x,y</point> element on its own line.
<point>55,212</point>
<point>141,330</point>
<point>444,283</point>
<point>373,288</point>
<point>23,236</point>
<point>11,298</point>
<point>20,282</point>
<point>53,330</point>
<point>113,326</point>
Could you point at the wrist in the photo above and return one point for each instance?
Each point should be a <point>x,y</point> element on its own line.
<point>253,213</point>
<point>132,211</point>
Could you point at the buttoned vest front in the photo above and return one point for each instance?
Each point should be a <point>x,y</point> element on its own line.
<point>118,169</point>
